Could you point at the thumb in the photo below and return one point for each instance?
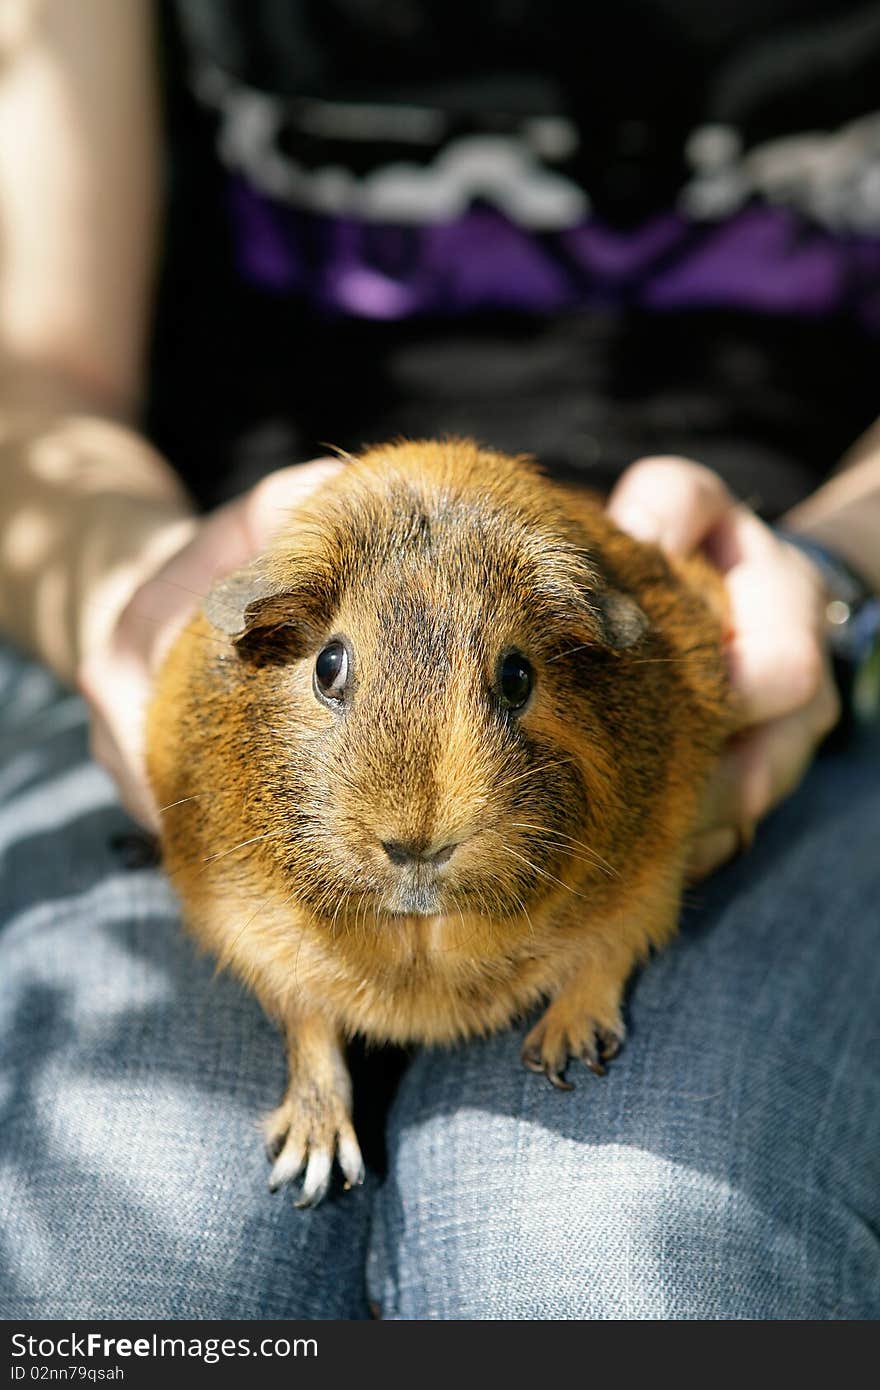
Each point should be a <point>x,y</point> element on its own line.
<point>265,506</point>
<point>668,501</point>
<point>225,540</point>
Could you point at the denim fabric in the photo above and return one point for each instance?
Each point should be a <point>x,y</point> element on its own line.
<point>132,1081</point>
<point>727,1166</point>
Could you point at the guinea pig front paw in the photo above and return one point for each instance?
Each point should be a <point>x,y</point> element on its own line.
<point>310,1128</point>
<point>565,1032</point>
<point>312,1125</point>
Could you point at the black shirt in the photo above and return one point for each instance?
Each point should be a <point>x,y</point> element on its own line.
<point>579,230</point>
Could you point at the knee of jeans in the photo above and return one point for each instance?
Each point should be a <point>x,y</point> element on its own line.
<point>150,1200</point>
<point>133,1179</point>
<point>489,1217</point>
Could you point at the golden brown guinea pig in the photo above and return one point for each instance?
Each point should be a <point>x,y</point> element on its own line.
<point>435,757</point>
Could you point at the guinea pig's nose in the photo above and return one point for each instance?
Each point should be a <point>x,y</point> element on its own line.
<point>415,852</point>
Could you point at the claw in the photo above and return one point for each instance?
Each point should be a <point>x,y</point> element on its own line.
<point>609,1043</point>
<point>557,1079</point>
<point>590,1055</point>
<point>316,1180</point>
<point>531,1058</point>
<point>274,1145</point>
<point>602,1047</point>
<point>288,1165</point>
<point>350,1161</point>
<point>296,1141</point>
<point>602,1044</point>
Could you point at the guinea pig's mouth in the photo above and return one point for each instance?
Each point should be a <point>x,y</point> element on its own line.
<point>414,900</point>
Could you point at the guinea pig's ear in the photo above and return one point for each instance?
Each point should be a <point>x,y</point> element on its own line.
<point>254,600</point>
<point>621,621</point>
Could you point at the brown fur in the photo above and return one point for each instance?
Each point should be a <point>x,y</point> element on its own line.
<point>573,817</point>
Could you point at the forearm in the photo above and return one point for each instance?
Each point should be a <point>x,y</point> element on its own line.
<point>845,512</point>
<point>89,510</point>
<point>86,507</point>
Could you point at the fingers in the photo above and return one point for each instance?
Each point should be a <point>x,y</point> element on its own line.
<point>708,852</point>
<point>117,680</point>
<point>777,650</point>
<point>267,504</point>
<point>224,541</point>
<point>758,770</point>
<point>672,502</point>
<point>118,692</point>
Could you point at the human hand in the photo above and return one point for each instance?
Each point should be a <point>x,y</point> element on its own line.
<point>777,654</point>
<point>116,677</point>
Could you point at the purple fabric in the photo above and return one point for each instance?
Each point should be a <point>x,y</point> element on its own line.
<point>763,259</point>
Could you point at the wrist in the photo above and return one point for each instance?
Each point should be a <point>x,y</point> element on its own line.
<point>847,525</point>
<point>88,510</point>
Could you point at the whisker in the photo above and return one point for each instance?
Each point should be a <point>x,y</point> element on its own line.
<point>571,651</point>
<point>524,910</point>
<point>533,771</point>
<point>487,920</point>
<point>561,835</point>
<point>460,918</point>
<point>673,660</point>
<point>579,858</point>
<point>195,796</point>
<point>342,898</point>
<point>225,955</point>
<point>362,903</point>
<point>689,655</point>
<point>543,872</point>
<point>221,854</point>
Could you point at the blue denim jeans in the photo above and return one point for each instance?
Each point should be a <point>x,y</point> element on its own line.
<point>727,1167</point>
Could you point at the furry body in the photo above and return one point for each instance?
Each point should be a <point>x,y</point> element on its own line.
<point>569,819</point>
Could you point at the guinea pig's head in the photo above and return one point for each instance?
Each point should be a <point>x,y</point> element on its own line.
<point>414,741</point>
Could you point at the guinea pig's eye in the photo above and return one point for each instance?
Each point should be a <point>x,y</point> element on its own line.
<point>515,681</point>
<point>331,671</point>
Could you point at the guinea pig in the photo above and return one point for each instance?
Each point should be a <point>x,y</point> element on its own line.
<point>432,759</point>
